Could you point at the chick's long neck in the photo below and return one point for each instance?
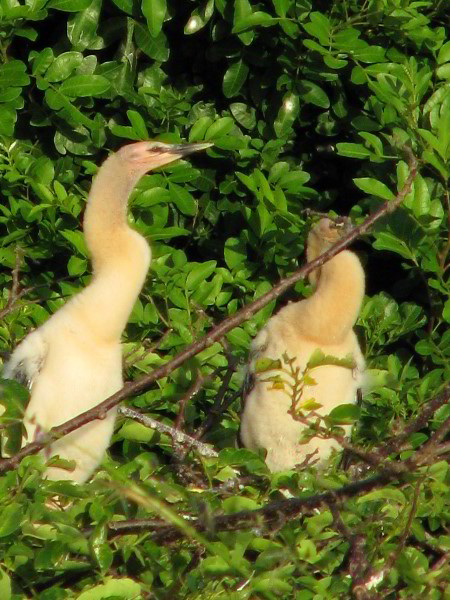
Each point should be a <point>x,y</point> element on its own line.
<point>330,313</point>
<point>120,256</point>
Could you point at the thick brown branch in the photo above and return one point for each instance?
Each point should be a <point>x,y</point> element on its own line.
<point>269,514</point>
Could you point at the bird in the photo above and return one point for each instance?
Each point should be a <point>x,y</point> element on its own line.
<point>73,361</point>
<point>322,322</point>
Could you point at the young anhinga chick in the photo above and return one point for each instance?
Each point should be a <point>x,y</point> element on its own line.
<point>73,362</point>
<point>323,321</point>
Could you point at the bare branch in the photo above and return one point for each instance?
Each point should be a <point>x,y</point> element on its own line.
<point>15,294</point>
<point>269,514</point>
<point>178,436</point>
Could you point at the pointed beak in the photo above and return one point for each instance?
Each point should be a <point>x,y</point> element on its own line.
<point>185,149</point>
<point>146,156</point>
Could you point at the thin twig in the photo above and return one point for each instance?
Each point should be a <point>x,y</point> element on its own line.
<point>199,382</point>
<point>14,294</point>
<point>219,406</point>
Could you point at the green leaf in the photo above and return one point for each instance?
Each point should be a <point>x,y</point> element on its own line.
<point>8,118</point>
<point>153,196</point>
<point>262,365</point>
<point>138,124</point>
<point>234,78</point>
<point>318,359</point>
<point>374,187</point>
<point>11,518</point>
<point>199,273</point>
<point>311,93</point>
<point>358,76</point>
<point>76,266</point>
<point>370,54</point>
<point>444,71</point>
<point>352,150</point>
<point>235,252</point>
<point>235,504</point>
<point>76,238</point>
<point>199,128</point>
<point>63,66</point>
<point>183,199</point>
<point>446,311</point>
<point>437,98</point>
<point>69,5</point>
<point>85,85</point>
<point>219,128</point>
<point>287,114</point>
<point>317,523</point>
<point>117,588</point>
<point>43,170</point>
<point>199,18</point>
<point>13,401</point>
<point>345,414</point>
<point>82,27</point>
<point>13,73</point>
<point>154,47</point>
<point>27,32</point>
<point>312,45</point>
<point>334,63</point>
<point>319,27</point>
<point>215,566</point>
<point>425,347</point>
<point>388,241</point>
<point>42,60</point>
<point>444,53</point>
<point>244,114</point>
<point>242,9</point>
<point>433,142</point>
<point>154,11</point>
<point>373,141</point>
<point>239,337</point>
<point>422,201</point>
<point>391,494</point>
<point>294,180</point>
<point>5,586</point>
<point>137,432</point>
<point>125,5</point>
<point>256,19</point>
<point>436,162</point>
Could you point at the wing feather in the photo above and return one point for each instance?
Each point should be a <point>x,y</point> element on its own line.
<point>27,360</point>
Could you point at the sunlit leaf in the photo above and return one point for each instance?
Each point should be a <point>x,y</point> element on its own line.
<point>374,187</point>
<point>235,78</point>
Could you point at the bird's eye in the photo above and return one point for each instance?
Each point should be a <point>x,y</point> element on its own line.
<point>156,147</point>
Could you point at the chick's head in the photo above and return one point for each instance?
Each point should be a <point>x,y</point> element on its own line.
<point>321,237</point>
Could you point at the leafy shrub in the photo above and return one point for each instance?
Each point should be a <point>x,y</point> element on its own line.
<point>311,106</point>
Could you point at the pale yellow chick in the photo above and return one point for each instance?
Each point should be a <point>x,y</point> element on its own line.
<point>73,362</point>
<point>323,321</point>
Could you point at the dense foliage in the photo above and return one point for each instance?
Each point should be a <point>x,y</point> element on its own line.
<point>310,105</point>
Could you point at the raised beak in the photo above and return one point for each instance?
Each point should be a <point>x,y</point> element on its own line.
<point>146,156</point>
<point>185,149</point>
